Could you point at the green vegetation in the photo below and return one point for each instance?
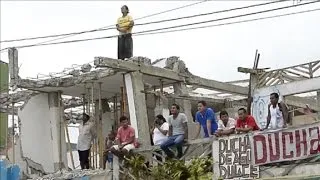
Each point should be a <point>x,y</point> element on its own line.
<point>195,169</point>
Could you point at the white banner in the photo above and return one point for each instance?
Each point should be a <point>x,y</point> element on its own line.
<point>285,145</point>
<point>232,158</point>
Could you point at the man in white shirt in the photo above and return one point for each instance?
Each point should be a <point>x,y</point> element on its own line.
<point>86,135</point>
<point>159,133</point>
<point>160,130</point>
<point>278,114</point>
<point>226,125</point>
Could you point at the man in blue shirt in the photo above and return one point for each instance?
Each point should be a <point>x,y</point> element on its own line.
<point>206,120</point>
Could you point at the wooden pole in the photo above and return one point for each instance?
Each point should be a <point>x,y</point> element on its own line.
<point>122,110</point>
<point>95,122</point>
<point>92,112</point>
<point>115,111</point>
<point>69,145</point>
<point>161,91</point>
<point>13,134</point>
<point>92,101</point>
<point>89,101</point>
<point>88,112</point>
<point>100,130</point>
<point>60,129</point>
<point>6,140</point>
<point>252,81</point>
<point>124,95</point>
<point>84,97</point>
<point>161,86</point>
<point>84,103</point>
<point>86,109</point>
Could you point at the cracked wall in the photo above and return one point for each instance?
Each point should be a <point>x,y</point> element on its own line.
<point>40,132</point>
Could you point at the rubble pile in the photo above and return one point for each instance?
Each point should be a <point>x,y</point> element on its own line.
<point>75,174</point>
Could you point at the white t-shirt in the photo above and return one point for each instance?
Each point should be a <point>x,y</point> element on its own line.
<point>230,124</point>
<point>177,123</point>
<point>158,137</point>
<point>85,136</point>
<point>276,120</point>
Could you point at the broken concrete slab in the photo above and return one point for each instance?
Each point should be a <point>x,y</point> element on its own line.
<point>78,174</point>
<point>132,66</point>
<point>71,103</point>
<point>25,95</point>
<point>86,68</point>
<point>8,99</point>
<point>140,60</point>
<point>169,74</point>
<point>66,81</point>
<point>173,69</point>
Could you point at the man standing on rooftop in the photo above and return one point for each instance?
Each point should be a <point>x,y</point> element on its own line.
<point>124,26</point>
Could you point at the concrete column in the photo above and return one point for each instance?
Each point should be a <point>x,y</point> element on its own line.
<point>180,89</point>
<point>137,106</point>
<point>318,104</point>
<point>13,66</point>
<point>57,130</point>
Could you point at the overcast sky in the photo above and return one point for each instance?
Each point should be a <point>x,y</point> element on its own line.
<point>213,53</point>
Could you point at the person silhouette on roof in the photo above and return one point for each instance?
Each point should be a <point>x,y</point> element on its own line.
<point>124,26</point>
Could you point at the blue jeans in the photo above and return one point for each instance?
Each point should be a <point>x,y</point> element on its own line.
<point>107,158</point>
<point>175,140</point>
<point>110,157</point>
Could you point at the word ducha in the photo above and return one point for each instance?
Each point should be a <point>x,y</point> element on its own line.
<point>235,158</point>
<point>286,145</point>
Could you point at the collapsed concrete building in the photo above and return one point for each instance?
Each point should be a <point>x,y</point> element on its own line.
<point>139,89</point>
